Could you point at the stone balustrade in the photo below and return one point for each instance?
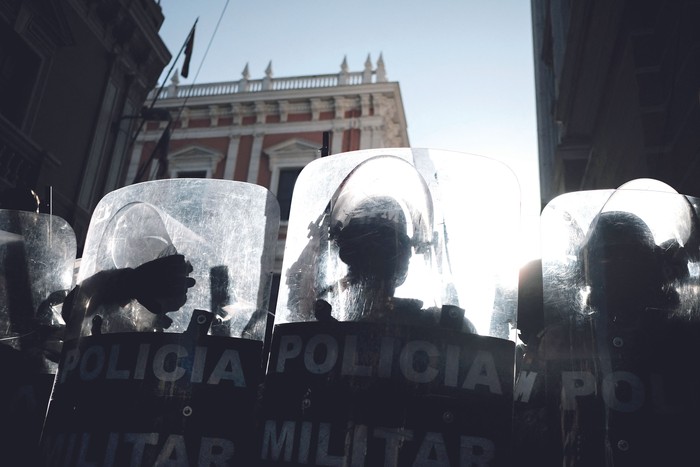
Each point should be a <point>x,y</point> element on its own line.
<point>345,78</point>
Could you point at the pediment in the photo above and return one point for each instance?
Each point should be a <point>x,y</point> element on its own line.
<point>293,152</point>
<point>195,153</point>
<point>292,146</point>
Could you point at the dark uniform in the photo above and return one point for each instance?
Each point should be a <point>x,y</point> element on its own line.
<point>620,374</point>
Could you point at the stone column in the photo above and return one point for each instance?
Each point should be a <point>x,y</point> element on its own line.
<point>340,105</point>
<point>214,113</point>
<point>365,105</point>
<point>283,107</point>
<point>260,113</point>
<point>367,137</point>
<point>255,153</point>
<point>337,143</point>
<point>378,140</point>
<point>231,157</point>
<point>315,109</point>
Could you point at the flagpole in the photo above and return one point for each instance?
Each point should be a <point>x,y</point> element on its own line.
<point>158,147</point>
<point>182,49</point>
<point>155,98</point>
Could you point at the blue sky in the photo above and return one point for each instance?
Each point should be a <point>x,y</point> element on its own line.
<point>465,67</point>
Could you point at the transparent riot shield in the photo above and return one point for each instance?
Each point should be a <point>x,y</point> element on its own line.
<point>396,313</point>
<point>162,358</point>
<point>37,256</point>
<point>620,279</point>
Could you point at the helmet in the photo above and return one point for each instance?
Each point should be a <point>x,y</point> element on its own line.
<point>374,242</point>
<point>621,261</point>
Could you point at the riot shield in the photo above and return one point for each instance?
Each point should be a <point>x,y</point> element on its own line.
<point>395,314</point>
<point>37,256</point>
<point>162,359</point>
<point>620,279</point>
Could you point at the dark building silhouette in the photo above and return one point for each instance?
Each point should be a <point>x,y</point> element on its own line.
<point>617,93</point>
<point>70,70</point>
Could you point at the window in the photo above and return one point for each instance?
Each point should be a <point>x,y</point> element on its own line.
<point>287,159</point>
<point>192,174</point>
<point>285,187</point>
<point>193,162</point>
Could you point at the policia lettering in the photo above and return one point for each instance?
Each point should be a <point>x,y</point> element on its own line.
<point>164,362</point>
<point>365,394</point>
<point>621,391</point>
<point>321,354</point>
<point>154,398</point>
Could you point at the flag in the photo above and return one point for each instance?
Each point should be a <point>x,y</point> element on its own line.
<point>188,53</point>
<point>160,153</point>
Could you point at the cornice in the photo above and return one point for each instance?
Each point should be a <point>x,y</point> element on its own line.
<point>230,131</point>
<point>291,95</point>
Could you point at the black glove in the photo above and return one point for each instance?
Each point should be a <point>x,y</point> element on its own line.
<point>161,285</point>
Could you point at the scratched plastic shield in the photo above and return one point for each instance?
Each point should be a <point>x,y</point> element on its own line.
<point>226,230</point>
<point>37,257</point>
<point>182,389</point>
<point>452,219</point>
<point>398,293</point>
<point>621,274</point>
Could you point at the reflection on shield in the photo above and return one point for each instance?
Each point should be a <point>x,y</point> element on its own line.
<point>396,313</point>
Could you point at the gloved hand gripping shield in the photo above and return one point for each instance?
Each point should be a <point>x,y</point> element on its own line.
<point>620,278</point>
<point>395,322</point>
<point>37,257</point>
<point>165,329</point>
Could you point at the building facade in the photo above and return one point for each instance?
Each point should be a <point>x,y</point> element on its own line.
<point>265,131</point>
<point>617,93</point>
<point>70,71</point>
